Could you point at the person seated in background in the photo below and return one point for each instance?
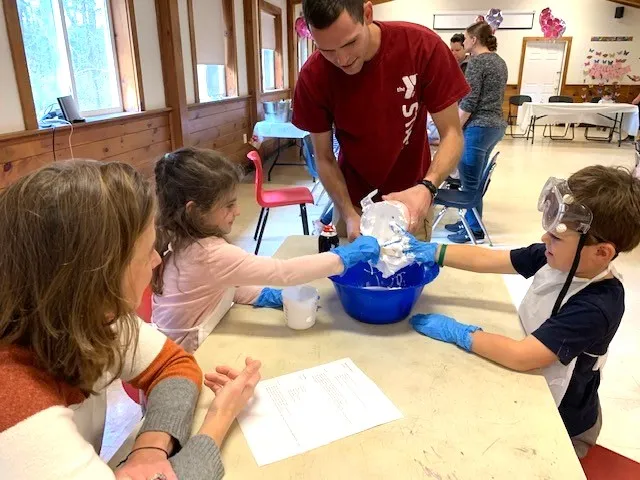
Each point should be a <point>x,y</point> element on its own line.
<point>606,98</point>
<point>77,253</point>
<point>457,48</point>
<point>573,309</point>
<point>201,274</point>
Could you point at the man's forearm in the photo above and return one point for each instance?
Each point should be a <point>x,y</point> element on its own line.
<point>334,183</point>
<point>447,158</point>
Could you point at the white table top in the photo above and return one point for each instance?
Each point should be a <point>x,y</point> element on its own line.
<point>588,113</point>
<point>278,130</point>
<point>464,417</point>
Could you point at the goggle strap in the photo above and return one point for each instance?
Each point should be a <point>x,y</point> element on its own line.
<point>572,272</point>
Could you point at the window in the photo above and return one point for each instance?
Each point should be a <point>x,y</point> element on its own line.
<point>271,47</point>
<point>211,82</point>
<point>70,50</point>
<point>305,49</point>
<point>213,51</point>
<point>268,69</point>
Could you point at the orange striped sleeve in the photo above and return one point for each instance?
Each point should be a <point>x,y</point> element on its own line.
<point>171,362</point>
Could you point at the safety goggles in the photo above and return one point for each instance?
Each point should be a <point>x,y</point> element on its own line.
<point>560,211</point>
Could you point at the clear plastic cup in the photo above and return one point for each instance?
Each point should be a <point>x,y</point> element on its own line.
<point>300,306</point>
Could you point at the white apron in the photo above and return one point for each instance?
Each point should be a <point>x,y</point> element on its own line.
<point>536,308</point>
<point>191,338</point>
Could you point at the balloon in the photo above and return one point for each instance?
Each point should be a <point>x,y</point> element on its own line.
<point>302,29</point>
<point>494,18</point>
<point>480,18</point>
<point>552,27</point>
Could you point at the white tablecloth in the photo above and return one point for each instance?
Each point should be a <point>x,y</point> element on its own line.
<point>266,129</point>
<point>590,113</point>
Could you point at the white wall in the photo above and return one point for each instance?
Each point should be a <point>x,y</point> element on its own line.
<point>185,39</point>
<point>11,119</point>
<point>149,50</point>
<point>585,18</point>
<point>241,47</point>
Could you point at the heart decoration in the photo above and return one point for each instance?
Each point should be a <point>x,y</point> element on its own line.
<point>494,18</point>
<point>301,27</point>
<point>552,27</point>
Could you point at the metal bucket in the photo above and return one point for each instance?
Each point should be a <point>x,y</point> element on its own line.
<point>278,112</point>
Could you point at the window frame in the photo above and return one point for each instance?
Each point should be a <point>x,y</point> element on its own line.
<point>230,47</point>
<point>278,58</point>
<point>126,55</point>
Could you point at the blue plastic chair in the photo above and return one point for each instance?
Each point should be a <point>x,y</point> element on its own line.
<point>310,161</point>
<point>465,200</point>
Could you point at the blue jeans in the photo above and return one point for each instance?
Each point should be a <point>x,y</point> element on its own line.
<point>478,144</point>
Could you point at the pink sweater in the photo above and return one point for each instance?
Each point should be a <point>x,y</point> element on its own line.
<point>196,279</point>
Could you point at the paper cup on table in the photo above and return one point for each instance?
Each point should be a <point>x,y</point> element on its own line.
<point>300,306</point>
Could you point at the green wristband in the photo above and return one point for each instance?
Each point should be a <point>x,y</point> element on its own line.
<point>443,249</point>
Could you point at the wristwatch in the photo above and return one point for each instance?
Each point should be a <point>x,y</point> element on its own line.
<point>430,186</point>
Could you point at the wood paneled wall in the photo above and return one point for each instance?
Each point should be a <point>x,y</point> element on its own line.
<point>221,126</point>
<point>138,139</point>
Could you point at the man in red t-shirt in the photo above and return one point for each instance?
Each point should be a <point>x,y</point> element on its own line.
<point>375,82</point>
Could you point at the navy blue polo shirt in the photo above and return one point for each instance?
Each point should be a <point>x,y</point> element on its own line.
<point>586,323</point>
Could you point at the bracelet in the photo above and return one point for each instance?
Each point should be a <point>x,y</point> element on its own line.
<point>141,448</point>
<point>443,249</point>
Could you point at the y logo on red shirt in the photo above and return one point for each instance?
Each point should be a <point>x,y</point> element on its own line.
<point>409,111</point>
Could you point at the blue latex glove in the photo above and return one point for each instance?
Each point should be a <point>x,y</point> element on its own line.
<point>422,252</point>
<point>444,328</point>
<point>362,249</point>
<point>269,298</point>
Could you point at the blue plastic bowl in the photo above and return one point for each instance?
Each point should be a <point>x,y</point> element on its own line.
<point>369,298</point>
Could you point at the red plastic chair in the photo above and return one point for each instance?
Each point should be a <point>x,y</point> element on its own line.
<point>144,312</point>
<point>280,197</point>
<point>603,464</point>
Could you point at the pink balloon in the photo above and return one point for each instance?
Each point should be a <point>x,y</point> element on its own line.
<point>552,27</point>
<point>301,27</point>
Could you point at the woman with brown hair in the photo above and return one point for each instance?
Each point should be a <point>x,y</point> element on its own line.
<point>77,253</point>
<point>481,117</point>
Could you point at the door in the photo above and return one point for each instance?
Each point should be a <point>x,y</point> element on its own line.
<point>542,72</point>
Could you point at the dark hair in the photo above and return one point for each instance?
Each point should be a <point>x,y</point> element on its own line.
<point>613,196</point>
<point>196,175</point>
<point>68,233</point>
<point>484,33</point>
<point>321,14</point>
<point>458,38</point>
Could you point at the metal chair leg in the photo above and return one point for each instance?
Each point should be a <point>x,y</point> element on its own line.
<point>305,223</point>
<point>264,224</point>
<point>438,218</point>
<point>484,229</point>
<point>255,235</point>
<point>472,237</point>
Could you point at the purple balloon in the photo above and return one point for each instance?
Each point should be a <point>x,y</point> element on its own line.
<point>494,18</point>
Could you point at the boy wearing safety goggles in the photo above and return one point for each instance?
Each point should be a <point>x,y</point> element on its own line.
<point>574,306</point>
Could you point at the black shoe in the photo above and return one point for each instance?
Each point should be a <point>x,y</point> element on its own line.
<point>462,237</point>
<point>454,227</point>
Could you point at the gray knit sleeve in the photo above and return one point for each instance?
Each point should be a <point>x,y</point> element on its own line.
<point>199,459</point>
<point>170,408</point>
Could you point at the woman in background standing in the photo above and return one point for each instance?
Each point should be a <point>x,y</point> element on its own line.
<point>480,115</point>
